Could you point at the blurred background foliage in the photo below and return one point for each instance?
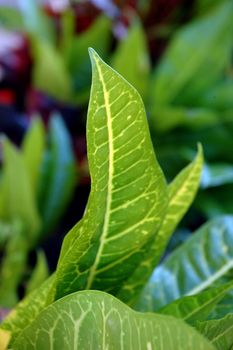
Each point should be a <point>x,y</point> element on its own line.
<point>177,53</point>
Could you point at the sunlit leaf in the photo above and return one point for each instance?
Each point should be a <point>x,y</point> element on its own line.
<point>27,310</point>
<point>128,195</point>
<point>181,192</point>
<point>95,320</point>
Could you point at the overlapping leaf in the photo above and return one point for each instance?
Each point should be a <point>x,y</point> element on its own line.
<point>26,311</point>
<point>196,265</point>
<point>95,320</point>
<point>219,332</point>
<point>197,307</point>
<point>128,195</point>
<point>180,196</point>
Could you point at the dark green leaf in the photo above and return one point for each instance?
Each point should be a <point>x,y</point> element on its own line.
<point>180,195</point>
<point>13,266</point>
<point>194,58</point>
<point>219,332</point>
<point>39,274</point>
<point>131,59</point>
<point>33,148</point>
<point>199,263</point>
<point>59,179</point>
<point>197,307</point>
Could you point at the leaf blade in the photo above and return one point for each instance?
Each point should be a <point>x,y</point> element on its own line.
<point>219,332</point>
<point>199,263</point>
<point>197,307</point>
<point>180,196</point>
<point>97,320</point>
<point>113,174</point>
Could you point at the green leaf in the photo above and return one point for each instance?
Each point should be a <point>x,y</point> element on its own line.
<point>13,265</point>
<point>95,320</point>
<point>219,332</point>
<point>39,274</point>
<point>33,148</point>
<point>50,74</point>
<point>76,53</point>
<point>166,118</point>
<point>197,307</point>
<point>219,96</point>
<point>199,263</point>
<point>10,18</point>
<point>193,58</point>
<point>26,310</point>
<point>131,59</point>
<point>58,181</point>
<point>128,192</point>
<point>180,196</point>
<point>216,175</point>
<point>20,201</point>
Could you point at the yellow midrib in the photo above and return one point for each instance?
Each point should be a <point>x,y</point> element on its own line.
<point>110,177</point>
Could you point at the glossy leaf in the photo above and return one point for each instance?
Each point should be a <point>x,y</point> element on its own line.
<point>180,196</point>
<point>131,59</point>
<point>128,194</point>
<point>197,307</point>
<point>199,263</point>
<point>33,149</point>
<point>20,201</point>
<point>26,310</point>
<point>188,59</point>
<point>95,320</point>
<point>58,181</point>
<point>219,332</point>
